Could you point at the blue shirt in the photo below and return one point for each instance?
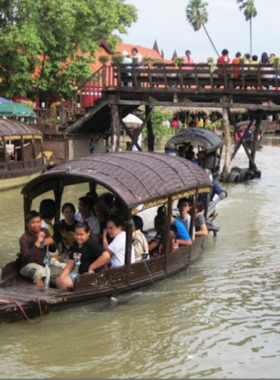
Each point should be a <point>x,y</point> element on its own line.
<point>182,232</point>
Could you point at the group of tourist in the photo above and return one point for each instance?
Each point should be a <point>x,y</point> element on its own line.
<point>247,59</point>
<point>84,242</point>
<point>133,57</point>
<point>93,238</point>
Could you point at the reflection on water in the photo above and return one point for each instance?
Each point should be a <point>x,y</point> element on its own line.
<point>218,319</point>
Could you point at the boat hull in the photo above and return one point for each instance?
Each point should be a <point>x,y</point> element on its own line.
<point>17,293</point>
<point>11,180</point>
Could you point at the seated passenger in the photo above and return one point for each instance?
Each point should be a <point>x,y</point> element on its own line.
<point>156,244</point>
<point>33,248</point>
<point>116,247</point>
<point>199,221</point>
<point>139,240</point>
<point>47,210</point>
<point>85,215</point>
<point>182,234</point>
<point>87,256</point>
<point>64,230</point>
<point>184,206</point>
<point>172,150</point>
<point>102,211</point>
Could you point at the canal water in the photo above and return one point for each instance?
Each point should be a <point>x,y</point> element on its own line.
<point>218,319</point>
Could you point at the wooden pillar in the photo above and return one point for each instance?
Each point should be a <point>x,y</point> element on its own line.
<point>27,203</point>
<point>128,243</point>
<point>63,118</point>
<point>252,164</point>
<point>58,191</point>
<point>115,127</point>
<point>227,140</point>
<point>151,135</point>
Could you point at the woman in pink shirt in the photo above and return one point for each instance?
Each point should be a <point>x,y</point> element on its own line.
<point>189,60</point>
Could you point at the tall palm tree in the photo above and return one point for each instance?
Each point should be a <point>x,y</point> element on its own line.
<point>250,11</point>
<point>197,16</point>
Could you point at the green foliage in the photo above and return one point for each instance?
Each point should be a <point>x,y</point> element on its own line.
<point>179,61</point>
<point>211,62</point>
<point>158,62</point>
<point>197,14</point>
<point>249,8</point>
<point>276,62</point>
<point>117,58</point>
<point>147,60</point>
<point>103,59</point>
<point>47,46</point>
<point>159,118</point>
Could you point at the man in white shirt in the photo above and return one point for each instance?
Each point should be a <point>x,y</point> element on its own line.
<point>117,247</point>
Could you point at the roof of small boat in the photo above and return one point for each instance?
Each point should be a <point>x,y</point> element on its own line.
<point>135,177</point>
<point>204,137</point>
<point>9,127</point>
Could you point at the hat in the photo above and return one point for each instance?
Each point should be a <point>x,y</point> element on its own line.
<point>125,53</point>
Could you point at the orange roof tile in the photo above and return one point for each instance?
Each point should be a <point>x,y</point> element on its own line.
<point>142,50</point>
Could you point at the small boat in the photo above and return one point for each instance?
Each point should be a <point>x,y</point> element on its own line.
<point>209,147</point>
<point>21,153</point>
<point>141,182</point>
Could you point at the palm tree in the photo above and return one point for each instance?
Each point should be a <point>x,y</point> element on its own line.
<point>197,16</point>
<point>250,11</point>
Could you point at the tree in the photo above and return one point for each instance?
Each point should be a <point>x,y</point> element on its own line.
<point>48,45</point>
<point>250,11</point>
<point>197,16</point>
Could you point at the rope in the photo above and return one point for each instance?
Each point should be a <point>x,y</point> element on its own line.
<point>8,299</point>
<point>149,272</point>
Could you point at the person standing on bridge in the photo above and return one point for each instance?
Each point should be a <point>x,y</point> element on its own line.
<point>236,61</point>
<point>222,61</point>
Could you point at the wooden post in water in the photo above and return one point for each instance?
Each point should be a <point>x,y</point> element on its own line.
<point>227,140</point>
<point>252,164</point>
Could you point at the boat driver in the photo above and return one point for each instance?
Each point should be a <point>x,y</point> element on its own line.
<point>33,248</point>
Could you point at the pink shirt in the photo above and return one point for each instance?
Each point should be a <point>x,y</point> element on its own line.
<point>189,61</point>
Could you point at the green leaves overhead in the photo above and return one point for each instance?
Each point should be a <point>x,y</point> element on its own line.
<point>249,8</point>
<point>250,11</point>
<point>197,13</point>
<point>197,16</point>
<point>40,41</point>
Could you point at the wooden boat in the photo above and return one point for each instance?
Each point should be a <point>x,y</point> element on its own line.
<point>21,153</point>
<point>206,141</point>
<point>140,181</point>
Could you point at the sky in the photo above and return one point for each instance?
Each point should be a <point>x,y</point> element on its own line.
<point>165,21</point>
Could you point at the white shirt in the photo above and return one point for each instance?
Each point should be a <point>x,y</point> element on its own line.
<point>92,221</point>
<point>117,246</point>
<point>186,221</point>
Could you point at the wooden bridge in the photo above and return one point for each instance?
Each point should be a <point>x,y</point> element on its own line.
<point>114,91</point>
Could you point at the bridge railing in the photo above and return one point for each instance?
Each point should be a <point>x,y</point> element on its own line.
<point>193,77</point>
<point>226,78</point>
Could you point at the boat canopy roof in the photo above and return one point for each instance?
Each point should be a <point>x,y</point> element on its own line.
<point>135,177</point>
<point>207,139</point>
<point>15,129</point>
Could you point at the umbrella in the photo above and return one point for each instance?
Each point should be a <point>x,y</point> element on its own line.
<point>132,121</point>
<point>15,109</point>
<point>4,100</point>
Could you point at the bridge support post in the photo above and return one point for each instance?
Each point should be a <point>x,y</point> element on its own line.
<point>115,128</point>
<point>252,164</point>
<point>227,139</point>
<point>151,135</point>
